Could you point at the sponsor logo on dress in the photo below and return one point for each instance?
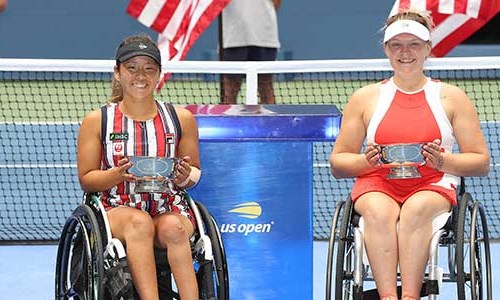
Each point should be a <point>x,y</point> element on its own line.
<point>118,136</point>
<point>169,137</point>
<point>119,148</point>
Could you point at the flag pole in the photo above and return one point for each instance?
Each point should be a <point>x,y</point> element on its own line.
<point>221,55</point>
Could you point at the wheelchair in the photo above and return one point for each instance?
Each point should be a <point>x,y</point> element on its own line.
<point>91,265</point>
<point>464,237</point>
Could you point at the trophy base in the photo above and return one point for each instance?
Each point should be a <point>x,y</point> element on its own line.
<point>403,172</point>
<point>151,186</point>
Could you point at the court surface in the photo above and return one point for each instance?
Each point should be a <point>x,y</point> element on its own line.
<point>27,272</point>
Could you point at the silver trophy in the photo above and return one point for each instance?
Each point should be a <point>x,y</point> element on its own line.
<point>402,160</point>
<point>153,174</point>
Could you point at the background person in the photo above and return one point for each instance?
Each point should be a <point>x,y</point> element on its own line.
<point>250,33</point>
<point>3,5</point>
<point>135,124</point>
<point>407,108</point>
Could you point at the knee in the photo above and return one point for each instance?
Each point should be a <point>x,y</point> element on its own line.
<point>379,212</point>
<point>408,223</point>
<point>380,219</point>
<point>420,210</point>
<point>170,230</point>
<point>414,217</point>
<point>140,225</point>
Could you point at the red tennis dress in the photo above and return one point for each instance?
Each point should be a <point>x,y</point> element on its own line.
<point>404,117</point>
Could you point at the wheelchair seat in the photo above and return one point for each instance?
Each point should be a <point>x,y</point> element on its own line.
<point>91,264</point>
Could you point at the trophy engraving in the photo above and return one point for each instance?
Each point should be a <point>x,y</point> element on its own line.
<point>402,160</point>
<point>153,174</point>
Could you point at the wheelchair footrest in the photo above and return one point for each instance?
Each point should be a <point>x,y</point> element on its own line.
<point>371,295</point>
<point>432,287</point>
<point>118,281</point>
<point>427,287</point>
<point>206,280</point>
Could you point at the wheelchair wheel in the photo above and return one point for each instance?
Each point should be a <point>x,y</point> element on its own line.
<point>345,288</point>
<point>79,264</point>
<point>334,236</point>
<point>213,284</point>
<point>473,257</point>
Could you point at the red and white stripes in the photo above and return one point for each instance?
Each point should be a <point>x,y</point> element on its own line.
<point>455,20</point>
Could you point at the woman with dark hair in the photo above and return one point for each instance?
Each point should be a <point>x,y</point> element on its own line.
<point>133,123</point>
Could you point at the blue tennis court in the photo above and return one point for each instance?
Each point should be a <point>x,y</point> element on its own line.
<point>53,165</point>
<point>27,272</point>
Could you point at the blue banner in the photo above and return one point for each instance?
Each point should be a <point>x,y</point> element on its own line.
<point>260,194</point>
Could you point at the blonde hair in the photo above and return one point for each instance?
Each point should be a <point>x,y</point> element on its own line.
<point>116,87</point>
<point>423,18</point>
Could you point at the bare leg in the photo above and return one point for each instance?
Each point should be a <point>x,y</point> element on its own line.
<point>135,229</point>
<point>380,214</point>
<point>232,86</point>
<point>266,90</point>
<point>415,232</point>
<point>173,232</point>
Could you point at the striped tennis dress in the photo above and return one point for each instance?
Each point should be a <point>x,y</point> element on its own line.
<point>409,117</point>
<point>157,137</point>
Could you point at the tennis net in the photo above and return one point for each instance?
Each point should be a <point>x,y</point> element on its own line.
<point>43,101</point>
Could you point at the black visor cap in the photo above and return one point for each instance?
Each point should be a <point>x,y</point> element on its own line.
<point>137,48</point>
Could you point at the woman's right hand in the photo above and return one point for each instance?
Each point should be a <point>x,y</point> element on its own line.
<point>121,170</point>
<point>372,154</point>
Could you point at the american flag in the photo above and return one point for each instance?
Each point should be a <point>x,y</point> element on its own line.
<point>455,20</point>
<point>178,22</point>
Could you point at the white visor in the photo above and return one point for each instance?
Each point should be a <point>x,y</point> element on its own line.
<point>407,26</point>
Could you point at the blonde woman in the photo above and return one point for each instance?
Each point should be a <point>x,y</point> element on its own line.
<point>409,107</point>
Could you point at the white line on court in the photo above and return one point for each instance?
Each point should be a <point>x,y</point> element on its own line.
<point>40,123</point>
<point>62,166</point>
<point>41,166</point>
<point>327,165</point>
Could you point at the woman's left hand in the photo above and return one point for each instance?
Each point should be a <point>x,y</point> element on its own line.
<point>433,154</point>
<point>182,171</point>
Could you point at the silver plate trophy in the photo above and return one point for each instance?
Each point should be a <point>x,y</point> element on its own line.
<point>154,174</point>
<point>402,160</point>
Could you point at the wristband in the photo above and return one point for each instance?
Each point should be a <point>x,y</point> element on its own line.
<point>194,176</point>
